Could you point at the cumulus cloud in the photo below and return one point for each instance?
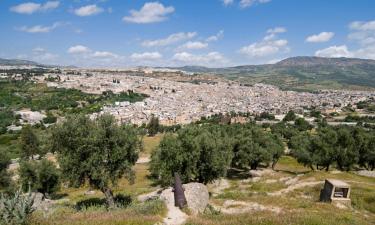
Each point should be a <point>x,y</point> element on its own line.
<point>171,39</point>
<point>104,54</point>
<point>362,33</point>
<point>216,37</point>
<point>39,28</point>
<point>193,45</point>
<point>334,52</point>
<point>31,7</point>
<point>248,3</point>
<point>322,37</point>
<point>146,56</point>
<point>209,59</point>
<point>151,12</point>
<point>227,2</point>
<point>88,10</point>
<point>270,45</point>
<point>42,55</point>
<point>78,49</point>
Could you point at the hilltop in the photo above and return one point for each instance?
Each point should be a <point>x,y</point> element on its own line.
<point>303,73</point>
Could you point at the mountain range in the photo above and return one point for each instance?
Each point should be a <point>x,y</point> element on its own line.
<point>302,73</point>
<point>296,73</point>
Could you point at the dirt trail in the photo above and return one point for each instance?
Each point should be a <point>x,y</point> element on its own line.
<point>174,216</point>
<point>294,187</point>
<point>237,207</point>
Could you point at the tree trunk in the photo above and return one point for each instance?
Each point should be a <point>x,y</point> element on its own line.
<point>274,164</point>
<point>327,168</point>
<point>311,167</point>
<point>109,197</point>
<point>254,166</point>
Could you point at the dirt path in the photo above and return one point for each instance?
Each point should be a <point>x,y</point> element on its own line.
<point>237,207</point>
<point>294,187</point>
<point>174,216</point>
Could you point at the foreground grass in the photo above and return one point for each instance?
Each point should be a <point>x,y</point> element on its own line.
<point>136,214</point>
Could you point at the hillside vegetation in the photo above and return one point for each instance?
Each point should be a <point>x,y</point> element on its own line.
<point>303,73</point>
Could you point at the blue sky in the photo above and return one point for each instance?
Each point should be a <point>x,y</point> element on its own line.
<point>122,33</point>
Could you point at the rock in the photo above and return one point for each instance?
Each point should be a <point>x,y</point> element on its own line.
<point>255,173</point>
<point>149,196</point>
<point>90,192</point>
<point>174,215</point>
<point>197,197</point>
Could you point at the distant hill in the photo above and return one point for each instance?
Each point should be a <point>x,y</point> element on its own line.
<point>17,62</point>
<point>303,73</point>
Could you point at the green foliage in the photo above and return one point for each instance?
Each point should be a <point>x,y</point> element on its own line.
<point>253,146</point>
<point>264,116</point>
<point>98,151</point>
<point>302,125</point>
<point>153,127</point>
<point>50,118</point>
<point>41,176</point>
<point>344,146</point>
<point>29,142</point>
<point>197,153</point>
<point>5,179</point>
<point>16,210</point>
<point>290,116</point>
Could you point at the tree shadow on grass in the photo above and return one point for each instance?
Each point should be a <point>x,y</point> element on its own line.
<point>121,201</point>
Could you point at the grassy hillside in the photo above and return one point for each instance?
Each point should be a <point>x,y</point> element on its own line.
<point>304,73</point>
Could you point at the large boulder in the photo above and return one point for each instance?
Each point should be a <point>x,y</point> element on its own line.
<point>196,196</point>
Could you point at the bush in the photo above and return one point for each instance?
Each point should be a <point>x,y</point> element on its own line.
<point>41,176</point>
<point>16,209</point>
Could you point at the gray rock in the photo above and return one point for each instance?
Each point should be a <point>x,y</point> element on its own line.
<point>197,197</point>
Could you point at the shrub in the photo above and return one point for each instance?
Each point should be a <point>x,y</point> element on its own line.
<point>16,209</point>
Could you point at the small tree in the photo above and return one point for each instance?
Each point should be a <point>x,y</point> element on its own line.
<point>41,176</point>
<point>5,180</point>
<point>98,151</point>
<point>290,116</point>
<point>302,125</point>
<point>29,143</point>
<point>153,126</point>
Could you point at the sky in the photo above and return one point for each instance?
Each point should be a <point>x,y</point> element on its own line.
<point>212,33</point>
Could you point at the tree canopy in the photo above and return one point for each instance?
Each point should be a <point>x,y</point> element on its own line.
<point>98,151</point>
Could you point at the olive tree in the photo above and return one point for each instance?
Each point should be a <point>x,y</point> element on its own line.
<point>253,146</point>
<point>41,176</point>
<point>97,151</point>
<point>29,143</point>
<point>197,153</point>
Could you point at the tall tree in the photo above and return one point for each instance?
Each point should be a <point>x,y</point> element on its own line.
<point>98,151</point>
<point>198,153</point>
<point>153,126</point>
<point>29,143</point>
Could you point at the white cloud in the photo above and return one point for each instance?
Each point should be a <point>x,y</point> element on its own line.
<point>248,3</point>
<point>363,26</point>
<point>42,55</point>
<point>193,45</point>
<point>146,56</point>
<point>334,52</point>
<point>88,10</point>
<point>171,39</point>
<point>104,54</point>
<point>31,7</point>
<point>270,45</point>
<point>151,12</point>
<point>276,30</point>
<point>215,37</point>
<point>322,37</point>
<point>39,28</point>
<point>209,59</point>
<point>227,2</point>
<point>79,49</point>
